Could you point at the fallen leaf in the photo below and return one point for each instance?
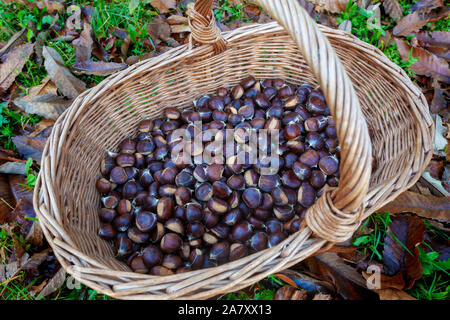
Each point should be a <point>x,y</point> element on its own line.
<point>13,168</point>
<point>400,252</point>
<point>440,142</point>
<point>393,294</point>
<point>393,9</point>
<point>426,5</point>
<point>54,284</point>
<point>25,216</point>
<point>435,38</point>
<point>289,293</point>
<point>301,280</point>
<point>17,39</point>
<point>252,11</point>
<point>158,29</point>
<point>346,26</point>
<point>437,184</point>
<point>441,52</point>
<point>13,65</point>
<point>374,21</point>
<point>15,266</point>
<point>429,207</point>
<point>32,144</point>
<point>36,289</point>
<point>17,185</point>
<point>411,23</point>
<point>322,296</point>
<point>51,6</point>
<point>428,64</point>
<point>135,59</point>
<point>176,19</point>
<point>73,22</point>
<point>36,259</point>
<point>348,282</point>
<point>83,50</point>
<point>394,282</point>
<point>334,6</point>
<point>439,102</point>
<point>46,105</point>
<point>178,28</point>
<point>65,81</point>
<point>46,87</point>
<point>7,201</point>
<point>163,6</point>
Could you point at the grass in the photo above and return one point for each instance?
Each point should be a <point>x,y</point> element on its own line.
<point>226,12</point>
<point>10,124</point>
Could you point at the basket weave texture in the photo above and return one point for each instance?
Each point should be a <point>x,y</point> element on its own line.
<point>365,91</point>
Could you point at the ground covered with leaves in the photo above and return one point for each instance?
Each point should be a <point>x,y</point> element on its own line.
<point>52,50</point>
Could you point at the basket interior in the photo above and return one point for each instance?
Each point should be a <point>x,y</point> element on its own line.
<point>113,113</point>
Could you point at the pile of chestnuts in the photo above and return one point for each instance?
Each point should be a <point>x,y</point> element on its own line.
<point>169,214</point>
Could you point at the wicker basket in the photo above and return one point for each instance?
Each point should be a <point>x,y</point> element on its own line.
<point>364,90</point>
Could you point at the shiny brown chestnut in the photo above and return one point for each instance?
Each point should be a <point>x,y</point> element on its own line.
<point>170,242</point>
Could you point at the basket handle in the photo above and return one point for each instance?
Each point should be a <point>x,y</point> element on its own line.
<point>338,211</point>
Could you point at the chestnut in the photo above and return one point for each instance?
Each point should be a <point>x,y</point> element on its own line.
<point>122,222</point>
<point>275,238</point>
<point>170,242</point>
<point>242,231</point>
<point>182,196</point>
<point>204,191</point>
<point>137,264</point>
<point>221,190</point>
<point>279,196</point>
<point>103,186</point>
<point>184,179</point>
<point>106,165</point>
<point>237,92</point>
<point>123,247</point>
<point>194,212</point>
<point>171,261</point>
<point>328,165</point>
<point>317,179</point>
<point>146,125</point>
<point>152,255</point>
<point>258,241</point>
<point>284,213</point>
<point>310,158</point>
<point>301,170</point>
<point>220,230</point>
<point>172,113</point>
<point>129,189</point>
<point>290,179</point>
<point>118,175</point>
<point>106,215</point>
<point>209,219</point>
<point>248,82</point>
<point>160,271</point>
<point>107,232</point>
<point>174,225</point>
<point>232,217</point>
<point>125,160</point>
<point>164,209</point>
<point>157,232</point>
<point>196,258</point>
<point>273,225</point>
<point>218,206</point>
<point>306,195</point>
<point>268,182</point>
<point>137,236</point>
<point>220,251</point>
<point>237,251</point>
<point>145,221</point>
<point>128,146</point>
<point>168,175</point>
<point>194,230</point>
<point>252,197</point>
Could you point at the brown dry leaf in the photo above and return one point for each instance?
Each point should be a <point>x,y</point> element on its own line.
<point>179,28</point>
<point>163,6</point>
<point>411,23</point>
<point>24,215</point>
<point>397,281</point>
<point>334,6</point>
<point>13,65</point>
<point>36,259</point>
<point>135,59</point>
<point>16,40</point>
<point>322,296</point>
<point>441,52</point>
<point>439,102</point>
<point>83,50</point>
<point>300,280</point>
<point>47,105</point>
<point>435,38</point>
<point>426,5</point>
<point>348,282</point>
<point>46,87</point>
<point>158,29</point>
<point>16,184</point>
<point>176,19</point>
<point>7,202</point>
<point>393,294</point>
<point>73,22</point>
<point>32,144</point>
<point>54,284</point>
<point>65,81</point>
<point>393,9</point>
<point>13,167</point>
<point>52,6</point>
<point>400,252</point>
<point>429,207</point>
<point>289,293</point>
<point>36,289</point>
<point>428,64</point>
<point>252,11</point>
